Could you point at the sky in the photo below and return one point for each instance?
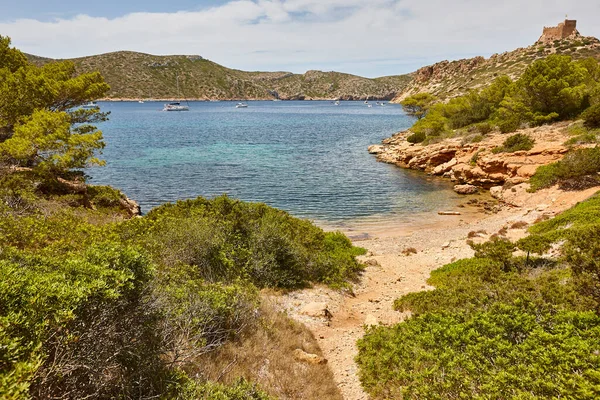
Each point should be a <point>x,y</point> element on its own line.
<point>365,37</point>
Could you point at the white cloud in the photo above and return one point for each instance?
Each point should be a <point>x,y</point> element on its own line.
<point>368,37</point>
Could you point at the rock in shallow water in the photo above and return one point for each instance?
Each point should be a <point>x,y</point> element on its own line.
<point>466,189</point>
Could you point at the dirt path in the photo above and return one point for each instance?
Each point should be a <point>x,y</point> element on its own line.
<point>391,274</point>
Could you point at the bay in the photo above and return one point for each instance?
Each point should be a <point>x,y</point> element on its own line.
<point>306,157</point>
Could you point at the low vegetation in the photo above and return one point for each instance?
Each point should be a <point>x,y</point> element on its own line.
<point>550,89</point>
<point>95,304</point>
<point>501,324</point>
<point>577,170</point>
<point>517,142</point>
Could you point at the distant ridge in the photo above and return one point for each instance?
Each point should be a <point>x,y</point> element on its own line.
<point>134,75</point>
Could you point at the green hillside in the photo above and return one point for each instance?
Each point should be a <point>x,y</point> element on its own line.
<point>134,75</point>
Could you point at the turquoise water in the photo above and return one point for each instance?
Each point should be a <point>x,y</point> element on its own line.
<point>306,157</point>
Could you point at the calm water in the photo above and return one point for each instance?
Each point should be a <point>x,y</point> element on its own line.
<point>306,157</point>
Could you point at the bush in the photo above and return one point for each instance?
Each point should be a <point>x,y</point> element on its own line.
<point>484,128</point>
<point>575,165</point>
<point>510,351</point>
<point>226,239</point>
<point>416,137</point>
<point>514,143</point>
<point>105,196</point>
<point>591,116</point>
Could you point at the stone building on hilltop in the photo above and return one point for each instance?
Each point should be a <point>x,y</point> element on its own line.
<point>564,30</point>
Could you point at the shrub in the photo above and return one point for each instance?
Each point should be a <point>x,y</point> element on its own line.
<point>416,137</point>
<point>514,143</point>
<point>484,128</point>
<point>591,116</point>
<point>575,165</point>
<point>226,239</point>
<point>104,196</point>
<point>510,351</point>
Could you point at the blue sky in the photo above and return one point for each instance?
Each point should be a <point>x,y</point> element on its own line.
<point>365,37</point>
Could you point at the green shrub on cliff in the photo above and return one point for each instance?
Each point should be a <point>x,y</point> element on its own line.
<point>551,89</point>
<point>517,142</point>
<point>591,116</point>
<point>577,170</point>
<point>417,105</point>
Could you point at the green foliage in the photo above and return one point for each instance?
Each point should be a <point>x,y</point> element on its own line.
<point>40,125</point>
<point>240,390</point>
<point>227,239</point>
<point>104,196</point>
<point>484,127</point>
<point>510,351</point>
<point>434,124</point>
<point>418,104</point>
<point>554,85</point>
<point>570,171</point>
<point>591,116</point>
<point>550,89</point>
<point>40,295</point>
<point>416,137</point>
<point>517,142</point>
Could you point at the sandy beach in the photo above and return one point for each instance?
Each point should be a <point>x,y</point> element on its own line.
<point>390,273</point>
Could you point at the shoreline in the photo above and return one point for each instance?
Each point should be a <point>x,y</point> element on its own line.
<point>207,100</point>
<point>391,274</point>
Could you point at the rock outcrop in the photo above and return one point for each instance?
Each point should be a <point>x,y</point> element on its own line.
<point>302,356</point>
<point>475,163</point>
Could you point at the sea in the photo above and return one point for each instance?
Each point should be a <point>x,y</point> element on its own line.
<point>309,158</point>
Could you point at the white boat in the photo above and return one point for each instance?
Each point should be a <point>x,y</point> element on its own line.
<point>366,102</point>
<point>369,105</point>
<point>175,106</point>
<point>241,105</point>
<point>337,103</point>
<point>91,104</point>
<point>141,101</point>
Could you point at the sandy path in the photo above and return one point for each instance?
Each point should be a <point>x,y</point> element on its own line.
<point>392,274</point>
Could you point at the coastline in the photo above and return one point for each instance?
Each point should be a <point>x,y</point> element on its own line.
<point>301,98</point>
<point>390,274</point>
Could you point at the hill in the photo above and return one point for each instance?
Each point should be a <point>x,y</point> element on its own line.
<point>448,79</point>
<point>134,75</point>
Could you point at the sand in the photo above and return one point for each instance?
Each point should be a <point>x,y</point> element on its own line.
<point>390,274</point>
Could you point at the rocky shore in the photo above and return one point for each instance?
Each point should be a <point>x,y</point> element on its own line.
<point>475,164</point>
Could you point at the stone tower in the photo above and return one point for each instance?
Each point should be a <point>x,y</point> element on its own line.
<point>564,30</point>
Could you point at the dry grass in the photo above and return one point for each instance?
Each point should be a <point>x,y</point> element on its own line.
<point>408,251</point>
<point>474,234</point>
<point>519,225</point>
<point>265,356</point>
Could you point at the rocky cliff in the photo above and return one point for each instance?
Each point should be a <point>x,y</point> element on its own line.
<point>474,163</point>
<point>448,79</point>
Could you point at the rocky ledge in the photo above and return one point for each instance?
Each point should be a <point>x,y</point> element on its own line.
<point>474,163</point>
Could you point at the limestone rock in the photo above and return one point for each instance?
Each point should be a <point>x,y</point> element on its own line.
<point>496,192</point>
<point>301,355</point>
<point>316,309</point>
<point>376,149</point>
<point>371,320</point>
<point>132,207</point>
<point>466,189</point>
